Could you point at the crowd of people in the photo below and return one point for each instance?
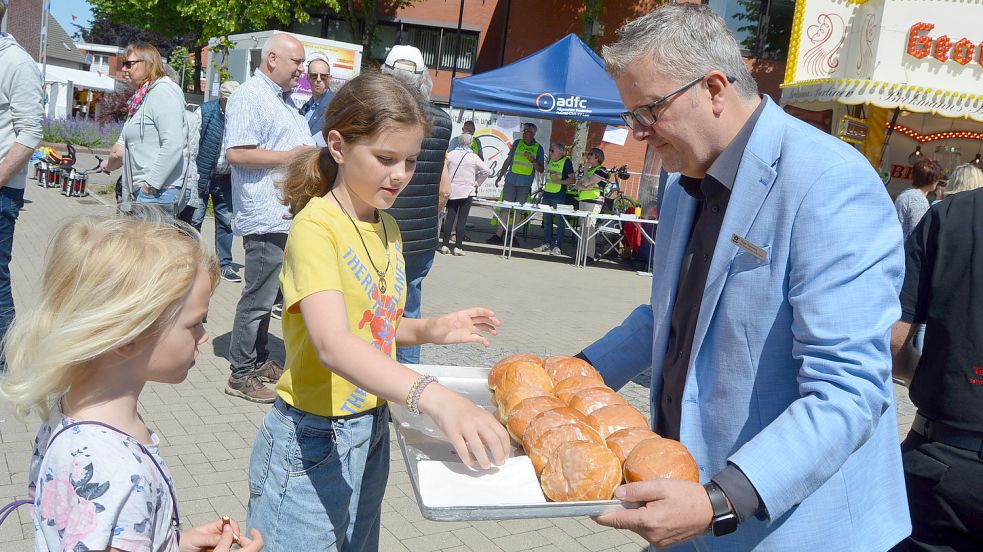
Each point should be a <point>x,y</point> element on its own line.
<point>784,299</point>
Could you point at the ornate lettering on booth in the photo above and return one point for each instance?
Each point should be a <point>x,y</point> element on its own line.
<point>921,45</point>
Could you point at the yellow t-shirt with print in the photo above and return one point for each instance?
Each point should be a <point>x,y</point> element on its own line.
<point>324,253</point>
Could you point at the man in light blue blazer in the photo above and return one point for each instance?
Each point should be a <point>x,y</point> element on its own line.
<point>778,266</point>
<point>319,75</point>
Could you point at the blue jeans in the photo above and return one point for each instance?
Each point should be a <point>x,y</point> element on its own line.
<point>417,267</point>
<point>317,483</point>
<point>554,199</point>
<point>11,202</point>
<point>220,192</point>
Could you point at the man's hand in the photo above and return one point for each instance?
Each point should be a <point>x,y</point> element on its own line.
<point>670,511</point>
<point>147,189</point>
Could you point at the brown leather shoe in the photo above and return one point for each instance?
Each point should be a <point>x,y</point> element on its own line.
<point>249,388</point>
<point>269,372</point>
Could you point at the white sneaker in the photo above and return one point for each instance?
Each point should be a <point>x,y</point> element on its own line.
<point>542,248</point>
<point>458,252</point>
<point>556,251</point>
<point>444,250</point>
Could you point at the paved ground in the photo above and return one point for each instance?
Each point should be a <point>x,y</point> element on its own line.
<point>207,435</point>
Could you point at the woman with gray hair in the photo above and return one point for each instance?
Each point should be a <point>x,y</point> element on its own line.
<point>467,172</point>
<point>964,178</point>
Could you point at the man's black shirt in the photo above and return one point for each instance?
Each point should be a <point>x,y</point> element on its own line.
<point>943,288</point>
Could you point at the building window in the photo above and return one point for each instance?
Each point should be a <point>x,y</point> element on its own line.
<point>466,57</point>
<point>762,27</point>
<point>99,63</point>
<point>311,28</point>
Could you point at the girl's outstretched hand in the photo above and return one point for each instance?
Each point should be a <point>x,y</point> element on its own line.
<point>471,430</point>
<point>463,326</point>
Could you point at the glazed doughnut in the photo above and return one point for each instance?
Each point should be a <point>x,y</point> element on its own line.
<point>616,417</point>
<point>586,401</point>
<point>660,459</point>
<point>622,442</point>
<point>581,470</point>
<point>562,367</point>
<point>526,410</point>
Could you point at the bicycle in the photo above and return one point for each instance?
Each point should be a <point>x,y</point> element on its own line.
<point>615,201</point>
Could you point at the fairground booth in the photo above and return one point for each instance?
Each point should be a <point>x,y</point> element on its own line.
<point>900,79</point>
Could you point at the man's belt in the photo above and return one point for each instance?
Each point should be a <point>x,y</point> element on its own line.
<point>948,435</point>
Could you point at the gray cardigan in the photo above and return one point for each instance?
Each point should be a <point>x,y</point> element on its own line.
<point>156,138</point>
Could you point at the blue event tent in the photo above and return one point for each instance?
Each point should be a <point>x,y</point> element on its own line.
<point>563,81</point>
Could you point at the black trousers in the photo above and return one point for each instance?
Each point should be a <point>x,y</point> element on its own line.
<point>944,496</point>
<point>457,209</point>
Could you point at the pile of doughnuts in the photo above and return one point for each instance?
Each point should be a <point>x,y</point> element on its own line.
<point>582,437</point>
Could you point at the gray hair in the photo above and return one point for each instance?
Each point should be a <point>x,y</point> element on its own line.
<point>416,81</point>
<point>685,41</point>
<point>964,178</point>
<point>465,140</point>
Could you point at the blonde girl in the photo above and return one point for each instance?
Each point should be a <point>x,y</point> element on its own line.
<point>321,459</point>
<point>122,304</point>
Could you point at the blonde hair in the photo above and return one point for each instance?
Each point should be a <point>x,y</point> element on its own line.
<point>107,281</point>
<point>964,178</point>
<point>150,56</point>
<point>362,108</point>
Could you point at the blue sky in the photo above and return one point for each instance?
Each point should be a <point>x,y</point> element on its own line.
<point>63,10</point>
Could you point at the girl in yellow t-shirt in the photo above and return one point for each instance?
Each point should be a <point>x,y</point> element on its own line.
<point>320,461</point>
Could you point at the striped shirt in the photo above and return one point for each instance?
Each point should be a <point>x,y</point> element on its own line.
<point>260,114</point>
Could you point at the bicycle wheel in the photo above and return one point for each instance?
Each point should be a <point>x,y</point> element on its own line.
<point>624,204</point>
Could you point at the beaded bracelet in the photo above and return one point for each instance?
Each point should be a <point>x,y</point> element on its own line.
<point>413,396</point>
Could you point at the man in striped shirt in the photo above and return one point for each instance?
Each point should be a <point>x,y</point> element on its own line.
<point>263,133</point>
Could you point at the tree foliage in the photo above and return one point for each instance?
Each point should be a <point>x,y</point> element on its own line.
<point>362,19</point>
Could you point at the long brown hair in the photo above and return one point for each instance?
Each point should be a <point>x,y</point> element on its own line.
<point>362,108</point>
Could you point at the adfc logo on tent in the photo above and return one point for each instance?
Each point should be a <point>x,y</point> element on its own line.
<point>563,104</point>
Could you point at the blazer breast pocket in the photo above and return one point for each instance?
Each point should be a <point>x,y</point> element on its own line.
<point>745,260</point>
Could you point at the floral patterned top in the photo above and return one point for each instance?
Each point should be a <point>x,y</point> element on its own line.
<point>94,488</point>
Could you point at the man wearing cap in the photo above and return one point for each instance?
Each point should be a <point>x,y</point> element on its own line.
<point>21,117</point>
<point>525,159</point>
<point>215,178</point>
<point>417,207</point>
<point>319,75</point>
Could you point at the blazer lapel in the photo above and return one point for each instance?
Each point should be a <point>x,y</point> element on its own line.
<point>755,177</point>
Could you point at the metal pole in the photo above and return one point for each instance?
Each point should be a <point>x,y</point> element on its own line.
<point>45,10</point>
<point>887,137</point>
<point>457,50</point>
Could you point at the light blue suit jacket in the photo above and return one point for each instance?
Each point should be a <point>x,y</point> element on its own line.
<point>790,371</point>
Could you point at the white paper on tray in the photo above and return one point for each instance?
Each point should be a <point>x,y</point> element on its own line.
<point>444,484</point>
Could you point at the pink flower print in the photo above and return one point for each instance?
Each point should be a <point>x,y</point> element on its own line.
<point>57,499</point>
<point>81,522</point>
<point>78,469</point>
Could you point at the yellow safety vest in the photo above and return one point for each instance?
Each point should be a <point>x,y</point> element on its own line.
<point>589,195</point>
<point>520,165</point>
<point>554,174</point>
<point>475,146</point>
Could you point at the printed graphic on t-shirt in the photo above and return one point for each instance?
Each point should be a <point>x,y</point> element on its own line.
<point>382,317</point>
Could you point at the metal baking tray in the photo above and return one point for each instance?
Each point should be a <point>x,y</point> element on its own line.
<point>420,440</point>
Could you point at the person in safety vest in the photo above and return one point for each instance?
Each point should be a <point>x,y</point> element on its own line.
<point>467,128</point>
<point>559,175</point>
<point>588,187</point>
<point>525,159</point>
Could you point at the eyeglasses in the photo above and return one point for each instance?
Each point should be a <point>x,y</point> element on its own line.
<point>319,76</point>
<point>644,116</point>
<point>130,63</point>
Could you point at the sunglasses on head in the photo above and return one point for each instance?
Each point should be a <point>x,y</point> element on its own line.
<point>130,63</point>
<point>319,76</point>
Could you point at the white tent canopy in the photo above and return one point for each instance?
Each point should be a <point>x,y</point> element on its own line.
<point>81,79</point>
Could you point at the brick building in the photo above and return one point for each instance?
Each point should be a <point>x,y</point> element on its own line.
<point>24,23</point>
<point>498,32</point>
<point>102,58</point>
